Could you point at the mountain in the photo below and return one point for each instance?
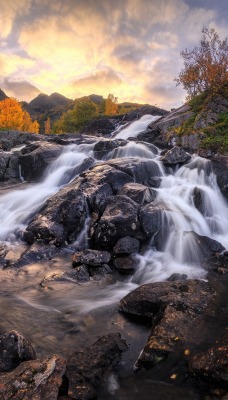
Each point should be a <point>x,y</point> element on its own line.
<point>3,96</point>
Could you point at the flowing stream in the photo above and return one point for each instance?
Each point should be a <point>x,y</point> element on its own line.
<point>52,319</point>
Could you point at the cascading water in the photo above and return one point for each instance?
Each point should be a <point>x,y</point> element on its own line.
<point>178,251</point>
<point>136,127</point>
<point>17,207</point>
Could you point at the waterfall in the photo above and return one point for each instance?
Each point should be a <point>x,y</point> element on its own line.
<point>136,127</point>
<point>176,249</point>
<point>18,206</point>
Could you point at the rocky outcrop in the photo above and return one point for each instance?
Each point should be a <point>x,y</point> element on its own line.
<point>125,246</point>
<point>10,139</point>
<point>9,168</point>
<point>33,380</point>
<point>176,309</point>
<point>139,193</point>
<point>14,349</point>
<point>93,258</point>
<point>220,168</point>
<point>101,126</point>
<point>103,147</point>
<point>86,369</point>
<point>36,158</point>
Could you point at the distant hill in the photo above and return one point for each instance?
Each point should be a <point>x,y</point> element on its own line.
<point>48,106</point>
<point>3,96</point>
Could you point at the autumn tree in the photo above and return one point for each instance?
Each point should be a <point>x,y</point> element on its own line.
<point>47,126</point>
<point>111,106</point>
<point>206,65</point>
<point>12,116</point>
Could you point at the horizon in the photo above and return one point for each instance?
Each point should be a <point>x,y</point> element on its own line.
<point>130,49</point>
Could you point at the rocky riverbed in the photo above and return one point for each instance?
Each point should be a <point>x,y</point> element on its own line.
<point>113,260</point>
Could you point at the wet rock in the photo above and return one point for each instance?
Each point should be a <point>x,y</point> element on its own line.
<point>86,368</point>
<point>125,265</point>
<point>218,263</point>
<point>119,219</point>
<point>212,365</point>
<point>150,217</point>
<point>176,308</point>
<point>139,193</point>
<point>105,173</point>
<point>33,380</point>
<point>35,159</point>
<point>207,247</point>
<point>198,199</point>
<point>14,349</point>
<point>61,219</point>
<point>101,126</point>
<point>141,170</point>
<point>92,258</point>
<point>177,277</point>
<point>103,147</point>
<point>99,273</point>
<point>176,155</point>
<point>9,139</point>
<point>126,245</point>
<point>77,275</point>
<point>220,168</point>
<point>36,253</point>
<point>98,197</point>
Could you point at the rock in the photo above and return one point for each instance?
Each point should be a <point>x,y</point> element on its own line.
<point>220,169</point>
<point>138,192</point>
<point>176,155</point>
<point>10,139</point>
<point>119,219</point>
<point>36,253</point>
<point>35,159</point>
<point>75,276</point>
<point>126,245</point>
<point>99,273</point>
<point>101,126</point>
<point>125,265</point>
<point>144,110</point>
<point>14,349</point>
<point>177,277</point>
<point>176,308</point>
<point>212,365</point>
<point>92,258</point>
<point>103,147</point>
<point>207,247</point>
<point>61,219</point>
<point>86,368</point>
<point>198,199</point>
<point>143,171</point>
<point>98,197</point>
<point>36,380</point>
<point>150,217</point>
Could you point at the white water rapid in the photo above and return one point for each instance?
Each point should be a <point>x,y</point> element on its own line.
<point>178,249</point>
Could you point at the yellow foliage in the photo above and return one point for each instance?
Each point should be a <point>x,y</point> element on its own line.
<point>111,106</point>
<point>12,116</point>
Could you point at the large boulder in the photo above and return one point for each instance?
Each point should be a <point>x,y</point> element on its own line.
<point>126,245</point>
<point>86,368</point>
<point>177,155</point>
<point>119,219</point>
<point>36,158</point>
<point>220,168</point>
<point>61,219</point>
<point>10,139</point>
<point>103,147</point>
<point>14,349</point>
<point>138,192</point>
<point>150,217</point>
<point>33,380</point>
<point>178,310</point>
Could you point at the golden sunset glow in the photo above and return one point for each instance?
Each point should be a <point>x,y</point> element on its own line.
<point>79,47</point>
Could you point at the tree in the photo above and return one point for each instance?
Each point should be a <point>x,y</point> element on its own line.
<point>206,66</point>
<point>111,106</point>
<point>47,126</point>
<point>83,111</point>
<point>12,116</point>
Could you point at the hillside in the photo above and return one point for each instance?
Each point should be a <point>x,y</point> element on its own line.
<point>201,123</point>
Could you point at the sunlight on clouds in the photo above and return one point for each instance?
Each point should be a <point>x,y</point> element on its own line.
<point>80,47</point>
<point>10,9</point>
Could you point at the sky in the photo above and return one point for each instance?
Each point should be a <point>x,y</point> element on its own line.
<point>130,48</point>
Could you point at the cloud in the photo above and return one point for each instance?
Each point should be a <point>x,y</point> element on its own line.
<point>10,9</point>
<point>22,90</point>
<point>77,47</point>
